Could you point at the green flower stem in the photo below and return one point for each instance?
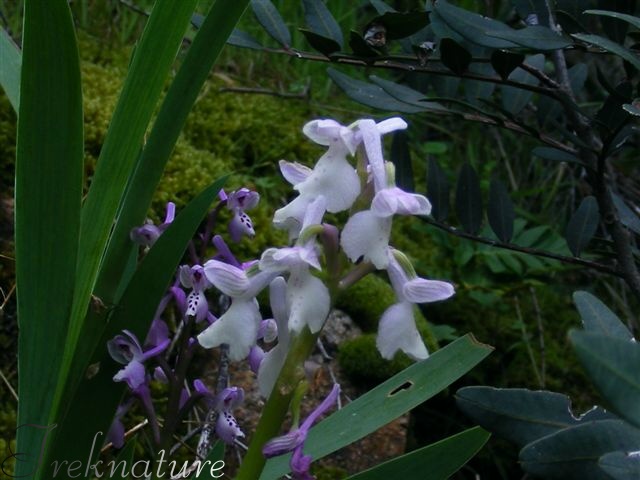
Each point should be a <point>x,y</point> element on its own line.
<point>277,405</point>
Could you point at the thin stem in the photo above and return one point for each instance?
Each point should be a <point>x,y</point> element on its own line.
<point>543,362</point>
<point>527,343</point>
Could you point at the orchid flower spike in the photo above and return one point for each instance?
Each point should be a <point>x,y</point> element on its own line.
<point>397,328</point>
<point>294,440</point>
<point>125,349</point>
<point>227,427</point>
<point>239,202</point>
<point>195,279</point>
<point>148,233</point>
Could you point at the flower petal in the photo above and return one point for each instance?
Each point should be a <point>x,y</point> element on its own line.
<point>367,235</point>
<point>133,373</point>
<point>294,172</point>
<point>229,279</point>
<point>391,201</point>
<point>227,428</point>
<point>420,290</point>
<point>391,125</point>
<point>397,331</point>
<point>197,305</point>
<point>308,300</point>
<point>284,443</point>
<point>291,215</point>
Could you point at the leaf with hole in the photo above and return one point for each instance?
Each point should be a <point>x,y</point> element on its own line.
<point>321,22</point>
<point>520,415</point>
<point>597,318</point>
<point>500,211</point>
<point>469,199</point>
<point>271,20</point>
<point>438,191</point>
<point>582,225</point>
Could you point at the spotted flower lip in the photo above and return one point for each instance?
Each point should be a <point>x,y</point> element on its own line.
<point>227,427</point>
<point>196,302</point>
<point>239,202</point>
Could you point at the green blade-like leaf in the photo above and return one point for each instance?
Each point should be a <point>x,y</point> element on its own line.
<point>48,192</point>
<point>324,45</point>
<point>387,401</point>
<point>469,199</point>
<point>125,455</point>
<point>321,22</point>
<point>583,225</point>
<point>401,158</point>
<point>597,318</point>
<point>500,211</point>
<point>11,61</point>
<point>369,94</point>
<point>535,37</point>
<point>99,393</point>
<point>521,416</point>
<point>272,21</point>
<point>573,453</point>
<point>241,39</point>
<point>612,364</point>
<point>438,191</point>
<point>635,21</point>
<point>152,61</point>
<point>609,46</point>
<point>453,56</point>
<point>216,459</point>
<point>437,461</point>
<point>621,465</point>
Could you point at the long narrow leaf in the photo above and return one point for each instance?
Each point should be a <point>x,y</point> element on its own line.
<point>11,61</point>
<point>48,193</point>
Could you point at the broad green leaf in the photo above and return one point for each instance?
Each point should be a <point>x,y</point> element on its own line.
<point>472,26</point>
<point>453,56</point>
<point>612,364</point>
<point>469,199</point>
<point>635,21</point>
<point>360,47</point>
<point>48,192</point>
<point>609,46</point>
<point>582,225</point>
<point>504,62</point>
<point>324,45</point>
<point>519,415</point>
<point>241,39</point>
<point>369,94</point>
<point>537,38</point>
<point>627,216</point>
<point>387,401</point>
<point>477,91</point>
<point>99,393</point>
<point>272,21</point>
<point>549,153</point>
<point>438,191</point>
<point>500,211</point>
<point>406,94</point>
<point>11,61</point>
<point>401,158</point>
<point>514,99</point>
<point>437,461</point>
<point>621,465</point>
<point>597,318</point>
<point>321,22</point>
<point>614,27</point>
<point>152,61</point>
<point>573,453</point>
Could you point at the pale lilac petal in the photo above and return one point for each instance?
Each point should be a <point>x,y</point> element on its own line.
<point>294,172</point>
<point>240,226</point>
<point>125,347</point>
<point>367,235</point>
<point>315,212</point>
<point>279,259</point>
<point>420,290</point>
<point>268,330</point>
<point>227,428</point>
<point>256,355</point>
<point>291,215</point>
<point>171,213</point>
<point>397,331</point>
<point>229,279</point>
<point>133,373</point>
<point>145,235</point>
<point>155,351</point>
<point>391,125</point>
<point>324,132</point>
<point>308,299</point>
<point>284,443</point>
<point>372,141</point>
<point>184,274</point>
<point>238,328</point>
<point>300,465</point>
<point>392,201</point>
<point>322,408</point>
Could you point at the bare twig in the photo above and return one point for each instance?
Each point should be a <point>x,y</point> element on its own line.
<point>303,95</point>
<point>135,8</point>
<point>9,386</point>
<point>543,362</point>
<point>527,343</point>
<point>127,434</point>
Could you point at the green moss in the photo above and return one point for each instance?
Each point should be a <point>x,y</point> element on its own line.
<point>323,472</point>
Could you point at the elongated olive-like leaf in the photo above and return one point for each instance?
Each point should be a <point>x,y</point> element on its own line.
<point>597,318</point>
<point>369,94</point>
<point>48,192</point>
<point>453,56</point>
<point>98,392</point>
<point>401,25</point>
<point>549,153</point>
<point>241,39</point>
<point>324,45</point>
<point>500,211</point>
<point>612,365</point>
<point>438,191</point>
<point>469,199</point>
<point>609,46</point>
<point>583,225</point>
<point>387,401</point>
<point>437,461</point>
<point>321,22</point>
<point>151,63</point>
<point>535,37</point>
<point>476,91</point>
<point>272,21</point>
<point>11,61</point>
<point>519,415</point>
<point>406,94</point>
<point>613,26</point>
<point>472,26</point>
<point>573,453</point>
<point>505,62</point>
<point>621,465</point>
<point>360,47</point>
<point>628,217</point>
<point>635,21</point>
<point>381,7</point>
<point>401,158</point>
<point>514,99</point>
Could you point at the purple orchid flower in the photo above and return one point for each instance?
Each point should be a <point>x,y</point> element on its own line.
<point>239,202</point>
<point>148,233</point>
<point>125,349</point>
<point>195,279</point>
<point>227,427</point>
<point>294,440</point>
<point>116,432</point>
